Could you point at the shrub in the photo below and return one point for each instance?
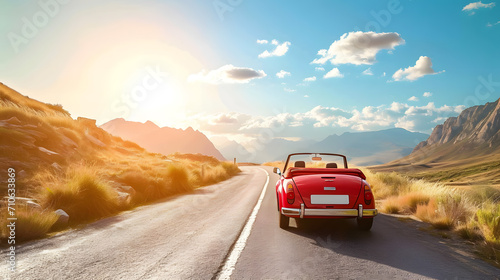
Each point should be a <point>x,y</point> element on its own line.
<point>456,208</point>
<point>231,169</point>
<point>387,184</point>
<point>33,224</point>
<point>431,213</point>
<point>392,206</point>
<point>84,197</point>
<point>157,183</point>
<point>468,232</point>
<point>410,201</point>
<point>489,222</point>
<point>178,177</point>
<point>30,223</point>
<point>427,212</point>
<point>147,187</point>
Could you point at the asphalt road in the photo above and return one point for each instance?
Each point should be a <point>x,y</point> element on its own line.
<point>192,236</point>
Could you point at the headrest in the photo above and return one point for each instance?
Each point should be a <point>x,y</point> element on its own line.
<point>331,165</point>
<point>300,164</point>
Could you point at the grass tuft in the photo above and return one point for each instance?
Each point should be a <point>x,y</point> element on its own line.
<point>179,178</point>
<point>411,201</point>
<point>84,196</point>
<point>30,223</point>
<point>489,220</point>
<point>392,206</point>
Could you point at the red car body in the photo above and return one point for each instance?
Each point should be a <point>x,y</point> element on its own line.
<point>325,192</point>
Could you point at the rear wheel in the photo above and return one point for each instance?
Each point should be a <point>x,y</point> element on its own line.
<point>365,224</point>
<point>284,221</point>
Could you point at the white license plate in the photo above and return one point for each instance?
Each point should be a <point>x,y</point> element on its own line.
<point>329,199</point>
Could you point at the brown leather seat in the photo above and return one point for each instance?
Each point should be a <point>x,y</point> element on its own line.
<point>300,163</point>
<point>331,165</point>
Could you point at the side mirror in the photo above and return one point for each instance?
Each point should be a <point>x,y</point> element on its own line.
<point>277,171</point>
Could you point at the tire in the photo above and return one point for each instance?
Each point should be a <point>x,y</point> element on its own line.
<point>284,221</point>
<point>365,224</point>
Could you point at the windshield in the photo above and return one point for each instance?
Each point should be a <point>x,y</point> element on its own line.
<point>316,160</point>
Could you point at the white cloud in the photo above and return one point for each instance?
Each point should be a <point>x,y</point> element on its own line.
<point>310,79</point>
<point>321,116</point>
<point>439,120</point>
<point>306,96</point>
<point>224,118</point>
<point>321,119</point>
<point>413,98</point>
<point>427,94</point>
<point>477,5</point>
<point>358,48</point>
<point>227,74</point>
<point>424,118</point>
<point>397,107</point>
<point>281,74</point>
<point>368,72</point>
<point>334,73</point>
<point>490,25</point>
<point>319,69</point>
<point>289,90</point>
<point>383,75</point>
<point>262,42</point>
<point>422,67</point>
<point>280,50</point>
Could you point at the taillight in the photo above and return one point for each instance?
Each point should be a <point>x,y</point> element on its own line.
<point>290,194</point>
<point>368,195</point>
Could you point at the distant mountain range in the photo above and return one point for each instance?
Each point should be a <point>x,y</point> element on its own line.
<point>164,140</point>
<point>372,147</point>
<point>462,150</point>
<point>362,148</point>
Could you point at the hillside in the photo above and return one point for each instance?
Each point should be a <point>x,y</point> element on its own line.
<point>163,140</point>
<point>462,150</point>
<point>67,172</point>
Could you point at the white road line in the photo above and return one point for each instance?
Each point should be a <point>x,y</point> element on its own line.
<point>230,263</point>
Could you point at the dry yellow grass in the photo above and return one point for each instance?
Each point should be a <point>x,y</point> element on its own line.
<point>473,213</point>
<point>391,206</point>
<point>83,195</point>
<point>279,164</point>
<point>10,97</point>
<point>489,222</point>
<point>30,223</point>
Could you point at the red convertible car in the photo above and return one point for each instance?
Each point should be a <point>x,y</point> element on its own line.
<point>320,185</point>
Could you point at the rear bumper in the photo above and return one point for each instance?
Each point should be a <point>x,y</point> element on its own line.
<point>305,212</point>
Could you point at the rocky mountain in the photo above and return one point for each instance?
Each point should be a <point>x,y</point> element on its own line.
<point>163,140</point>
<point>462,150</point>
<point>477,126</point>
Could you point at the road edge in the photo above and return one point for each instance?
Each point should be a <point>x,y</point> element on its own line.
<point>234,253</point>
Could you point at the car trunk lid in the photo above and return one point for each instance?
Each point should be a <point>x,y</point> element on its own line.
<point>328,190</point>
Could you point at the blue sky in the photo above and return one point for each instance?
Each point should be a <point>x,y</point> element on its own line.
<point>203,63</point>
